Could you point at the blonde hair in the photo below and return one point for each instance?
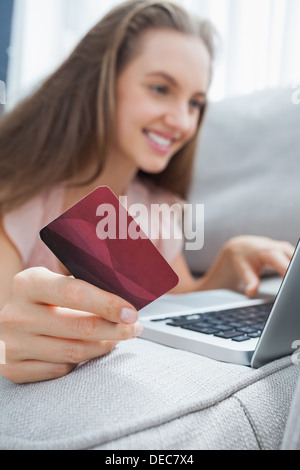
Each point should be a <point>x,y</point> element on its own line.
<point>53,134</point>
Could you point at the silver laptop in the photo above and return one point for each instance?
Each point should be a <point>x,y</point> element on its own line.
<point>228,326</point>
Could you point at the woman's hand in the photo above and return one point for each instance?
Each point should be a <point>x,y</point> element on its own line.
<point>242,260</point>
<point>52,323</point>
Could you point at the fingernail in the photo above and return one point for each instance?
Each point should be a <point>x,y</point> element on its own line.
<point>128,315</point>
<point>251,289</point>
<point>138,328</point>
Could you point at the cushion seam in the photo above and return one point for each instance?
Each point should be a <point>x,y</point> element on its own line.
<point>248,417</point>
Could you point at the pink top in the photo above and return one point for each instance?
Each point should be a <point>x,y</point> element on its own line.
<point>24,223</point>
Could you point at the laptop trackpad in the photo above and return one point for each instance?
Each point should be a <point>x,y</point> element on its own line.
<point>173,303</point>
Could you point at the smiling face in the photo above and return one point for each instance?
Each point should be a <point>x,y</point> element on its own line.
<point>160,96</point>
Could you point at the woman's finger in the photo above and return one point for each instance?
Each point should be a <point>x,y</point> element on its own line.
<point>276,259</point>
<point>60,322</point>
<point>56,350</point>
<point>288,249</point>
<point>38,285</point>
<point>249,279</point>
<point>35,371</point>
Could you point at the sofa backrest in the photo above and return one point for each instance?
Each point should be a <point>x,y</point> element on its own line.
<point>247,171</point>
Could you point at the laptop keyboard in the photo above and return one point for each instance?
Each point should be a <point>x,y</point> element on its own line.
<point>237,324</point>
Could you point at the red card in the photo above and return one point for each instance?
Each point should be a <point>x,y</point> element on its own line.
<point>99,242</point>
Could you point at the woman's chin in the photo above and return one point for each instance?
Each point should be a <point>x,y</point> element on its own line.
<point>156,168</point>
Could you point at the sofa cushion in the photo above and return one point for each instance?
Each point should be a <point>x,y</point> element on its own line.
<point>147,396</point>
<point>248,171</point>
<point>291,437</point>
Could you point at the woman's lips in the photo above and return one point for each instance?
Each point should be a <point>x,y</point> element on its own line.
<point>158,142</point>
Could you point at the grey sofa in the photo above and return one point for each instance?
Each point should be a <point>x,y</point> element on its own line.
<point>147,396</point>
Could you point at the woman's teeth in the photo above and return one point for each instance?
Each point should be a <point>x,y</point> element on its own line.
<point>159,139</point>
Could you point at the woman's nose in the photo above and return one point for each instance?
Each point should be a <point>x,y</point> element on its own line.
<point>179,118</point>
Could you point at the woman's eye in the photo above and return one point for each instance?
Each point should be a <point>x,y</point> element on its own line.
<point>197,105</point>
<point>159,89</point>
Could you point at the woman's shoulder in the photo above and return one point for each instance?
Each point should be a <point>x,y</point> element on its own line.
<point>43,206</point>
<point>23,224</point>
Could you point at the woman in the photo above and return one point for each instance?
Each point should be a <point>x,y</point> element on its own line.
<point>124,110</point>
